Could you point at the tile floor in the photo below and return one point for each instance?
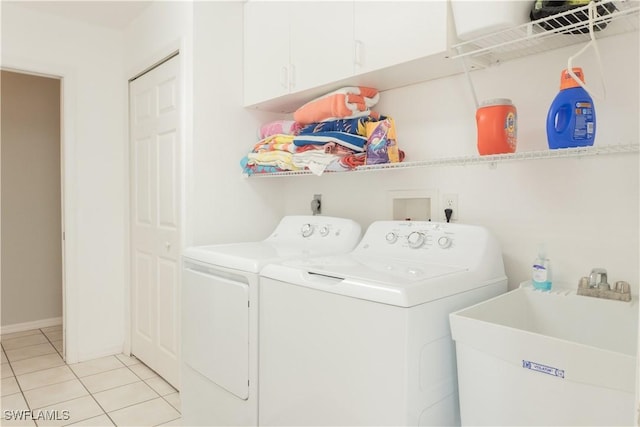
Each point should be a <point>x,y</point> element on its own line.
<point>114,390</point>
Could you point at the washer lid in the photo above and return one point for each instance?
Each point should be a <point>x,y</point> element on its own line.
<point>384,280</point>
<point>393,272</point>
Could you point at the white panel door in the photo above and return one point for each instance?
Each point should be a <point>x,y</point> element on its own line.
<point>154,105</point>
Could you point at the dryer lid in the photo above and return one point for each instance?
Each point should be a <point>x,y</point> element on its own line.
<point>295,236</point>
<point>249,257</point>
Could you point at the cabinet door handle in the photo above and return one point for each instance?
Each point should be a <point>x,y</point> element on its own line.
<point>292,76</point>
<point>357,52</point>
<point>284,77</point>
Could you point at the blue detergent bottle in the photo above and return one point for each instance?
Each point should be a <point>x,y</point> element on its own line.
<point>571,121</point>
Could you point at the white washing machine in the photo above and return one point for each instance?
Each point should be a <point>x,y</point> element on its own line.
<point>219,384</point>
<point>364,338</point>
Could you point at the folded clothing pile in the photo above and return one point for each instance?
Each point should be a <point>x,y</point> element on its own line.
<point>345,103</point>
<point>335,132</point>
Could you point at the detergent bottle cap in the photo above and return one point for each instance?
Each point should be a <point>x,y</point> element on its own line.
<point>567,82</point>
<point>496,101</point>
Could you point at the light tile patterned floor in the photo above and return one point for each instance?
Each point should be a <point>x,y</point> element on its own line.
<point>111,391</point>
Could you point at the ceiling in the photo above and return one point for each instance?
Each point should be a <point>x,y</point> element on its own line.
<point>111,14</point>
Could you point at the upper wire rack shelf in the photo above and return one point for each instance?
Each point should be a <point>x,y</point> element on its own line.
<point>613,17</point>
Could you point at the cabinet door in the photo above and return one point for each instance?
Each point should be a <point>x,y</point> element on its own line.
<point>391,32</point>
<point>266,50</point>
<point>321,43</point>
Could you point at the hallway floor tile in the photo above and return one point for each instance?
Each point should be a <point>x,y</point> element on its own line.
<point>40,389</point>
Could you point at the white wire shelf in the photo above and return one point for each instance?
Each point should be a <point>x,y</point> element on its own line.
<point>532,38</point>
<point>475,159</point>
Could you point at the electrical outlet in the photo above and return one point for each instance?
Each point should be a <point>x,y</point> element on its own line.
<point>450,201</point>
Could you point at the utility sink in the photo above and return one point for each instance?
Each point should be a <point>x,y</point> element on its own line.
<point>529,357</point>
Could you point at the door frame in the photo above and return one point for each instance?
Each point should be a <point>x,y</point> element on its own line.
<point>67,79</point>
<point>176,49</point>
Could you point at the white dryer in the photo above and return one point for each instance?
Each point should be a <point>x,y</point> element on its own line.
<point>363,338</point>
<point>219,384</point>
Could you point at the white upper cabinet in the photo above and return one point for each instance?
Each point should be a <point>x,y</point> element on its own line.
<point>321,42</point>
<point>296,45</point>
<point>392,32</point>
<point>266,51</point>
<point>298,50</point>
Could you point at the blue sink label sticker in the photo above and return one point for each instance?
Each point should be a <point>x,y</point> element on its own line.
<point>549,370</point>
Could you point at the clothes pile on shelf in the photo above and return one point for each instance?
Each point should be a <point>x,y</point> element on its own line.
<point>335,132</point>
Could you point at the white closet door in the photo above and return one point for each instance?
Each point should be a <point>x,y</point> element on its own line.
<point>154,105</point>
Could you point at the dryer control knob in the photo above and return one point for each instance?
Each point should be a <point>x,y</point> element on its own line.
<point>324,231</point>
<point>415,239</point>
<point>391,237</point>
<point>306,230</point>
<point>444,242</point>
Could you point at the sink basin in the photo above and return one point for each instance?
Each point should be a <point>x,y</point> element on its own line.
<point>529,357</point>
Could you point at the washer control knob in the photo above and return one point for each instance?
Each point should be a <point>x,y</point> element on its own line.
<point>391,237</point>
<point>306,230</point>
<point>324,231</point>
<point>415,239</point>
<point>444,242</point>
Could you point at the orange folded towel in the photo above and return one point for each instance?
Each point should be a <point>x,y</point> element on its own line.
<point>345,103</point>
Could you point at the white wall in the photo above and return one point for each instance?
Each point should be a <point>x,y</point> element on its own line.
<point>159,30</point>
<point>225,207</point>
<point>89,59</point>
<point>209,37</point>
<point>585,210</point>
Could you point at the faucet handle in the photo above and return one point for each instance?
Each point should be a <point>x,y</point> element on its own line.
<point>583,282</point>
<point>623,287</point>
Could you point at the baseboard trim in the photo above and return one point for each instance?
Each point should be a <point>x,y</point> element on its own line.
<point>112,351</point>
<point>26,326</point>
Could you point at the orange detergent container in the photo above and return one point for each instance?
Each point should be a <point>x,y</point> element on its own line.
<point>497,129</point>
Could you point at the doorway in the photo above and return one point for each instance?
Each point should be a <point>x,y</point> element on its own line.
<point>31,205</point>
<point>155,115</point>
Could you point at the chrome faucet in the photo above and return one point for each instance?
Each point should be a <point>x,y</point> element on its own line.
<point>593,279</point>
<point>596,286</point>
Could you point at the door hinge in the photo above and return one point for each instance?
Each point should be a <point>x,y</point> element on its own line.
<point>63,236</point>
